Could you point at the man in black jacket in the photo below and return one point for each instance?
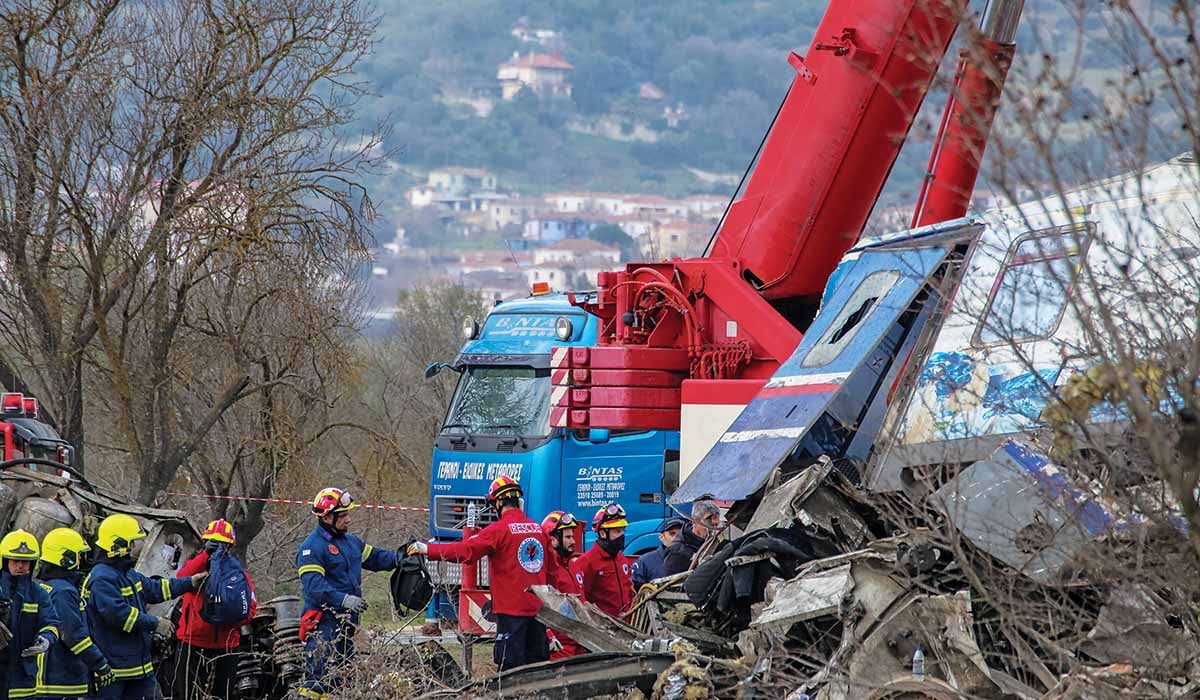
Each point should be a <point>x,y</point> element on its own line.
<point>706,518</point>
<point>649,566</point>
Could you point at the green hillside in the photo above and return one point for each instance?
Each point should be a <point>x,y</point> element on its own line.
<point>724,61</point>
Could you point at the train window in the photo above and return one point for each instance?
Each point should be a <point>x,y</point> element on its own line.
<point>851,317</point>
<point>1030,293</point>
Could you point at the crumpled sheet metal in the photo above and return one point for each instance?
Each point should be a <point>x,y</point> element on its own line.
<point>876,656</point>
<point>1132,628</point>
<point>809,499</point>
<point>1019,508</point>
<point>806,597</point>
<point>1124,681</point>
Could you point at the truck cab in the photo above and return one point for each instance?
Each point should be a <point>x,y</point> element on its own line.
<point>25,435</point>
<point>498,422</point>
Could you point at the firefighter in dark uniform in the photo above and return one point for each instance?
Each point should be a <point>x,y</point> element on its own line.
<point>330,563</point>
<point>115,599</point>
<point>75,666</point>
<point>27,613</point>
<point>516,550</point>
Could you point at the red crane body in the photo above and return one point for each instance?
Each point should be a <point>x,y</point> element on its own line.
<point>724,322</point>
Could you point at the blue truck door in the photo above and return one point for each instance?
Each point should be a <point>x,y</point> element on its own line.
<point>818,395</point>
<point>626,469</point>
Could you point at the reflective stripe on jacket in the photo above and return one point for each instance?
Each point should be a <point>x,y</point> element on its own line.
<point>30,615</point>
<point>68,666</point>
<point>115,599</point>
<point>330,568</point>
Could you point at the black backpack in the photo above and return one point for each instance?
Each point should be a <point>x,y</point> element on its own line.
<point>412,589</point>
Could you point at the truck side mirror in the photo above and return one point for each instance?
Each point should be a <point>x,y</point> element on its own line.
<point>435,369</point>
<point>598,435</point>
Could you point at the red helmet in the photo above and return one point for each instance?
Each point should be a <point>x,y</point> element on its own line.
<point>219,531</point>
<point>611,515</point>
<point>503,487</point>
<point>558,520</point>
<point>332,500</point>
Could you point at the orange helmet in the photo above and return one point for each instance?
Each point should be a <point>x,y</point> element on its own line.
<point>611,515</point>
<point>331,500</point>
<point>558,520</point>
<point>219,531</point>
<point>503,487</point>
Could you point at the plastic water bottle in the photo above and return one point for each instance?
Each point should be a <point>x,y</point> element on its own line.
<point>919,665</point>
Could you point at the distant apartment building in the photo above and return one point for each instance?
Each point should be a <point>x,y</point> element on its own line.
<point>706,205</point>
<point>495,260</point>
<point>643,206</point>
<point>508,212</point>
<point>543,37</point>
<point>461,179</point>
<point>651,206</point>
<point>549,228</point>
<point>456,189</point>
<point>572,264</point>
<point>567,250</point>
<point>569,202</point>
<point>633,225</point>
<point>676,239</point>
<point>543,74</point>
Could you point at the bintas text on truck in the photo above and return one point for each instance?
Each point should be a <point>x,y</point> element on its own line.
<point>498,423</point>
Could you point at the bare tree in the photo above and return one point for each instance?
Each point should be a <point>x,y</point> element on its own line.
<point>151,150</point>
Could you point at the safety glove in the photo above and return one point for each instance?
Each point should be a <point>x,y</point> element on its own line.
<point>40,646</point>
<point>354,604</point>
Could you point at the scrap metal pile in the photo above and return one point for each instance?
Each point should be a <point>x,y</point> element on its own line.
<point>993,586</point>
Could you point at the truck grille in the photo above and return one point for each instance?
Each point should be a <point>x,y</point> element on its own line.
<point>449,573</point>
<point>451,512</point>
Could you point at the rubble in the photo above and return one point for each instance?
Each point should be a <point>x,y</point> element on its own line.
<point>830,594</point>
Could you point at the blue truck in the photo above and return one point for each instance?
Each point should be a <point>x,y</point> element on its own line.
<point>498,422</point>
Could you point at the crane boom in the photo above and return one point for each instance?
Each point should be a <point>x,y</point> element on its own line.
<point>855,96</point>
<point>724,322</point>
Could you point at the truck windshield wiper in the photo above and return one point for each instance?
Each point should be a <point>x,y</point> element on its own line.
<point>454,425</point>
<point>510,427</point>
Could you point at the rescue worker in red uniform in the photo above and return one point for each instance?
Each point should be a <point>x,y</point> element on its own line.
<point>604,572</point>
<point>516,552</point>
<point>205,663</point>
<point>562,530</point>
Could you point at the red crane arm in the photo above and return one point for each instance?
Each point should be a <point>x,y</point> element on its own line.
<point>846,116</point>
<point>740,311</point>
<point>974,100</point>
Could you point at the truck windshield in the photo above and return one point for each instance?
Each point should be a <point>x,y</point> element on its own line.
<point>501,401</point>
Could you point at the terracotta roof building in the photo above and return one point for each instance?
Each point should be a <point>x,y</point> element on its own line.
<point>544,74</point>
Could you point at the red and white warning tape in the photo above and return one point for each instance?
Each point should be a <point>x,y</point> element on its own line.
<point>289,501</point>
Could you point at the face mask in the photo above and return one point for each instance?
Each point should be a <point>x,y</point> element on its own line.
<point>611,547</point>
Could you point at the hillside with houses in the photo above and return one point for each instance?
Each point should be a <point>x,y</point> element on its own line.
<point>513,128</point>
<point>500,240</point>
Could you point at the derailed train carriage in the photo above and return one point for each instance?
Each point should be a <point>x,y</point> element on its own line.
<point>950,373</point>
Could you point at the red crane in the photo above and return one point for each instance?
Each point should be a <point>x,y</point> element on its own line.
<point>709,331</point>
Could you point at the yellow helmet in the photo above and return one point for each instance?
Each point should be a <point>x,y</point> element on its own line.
<point>117,534</point>
<point>20,545</point>
<point>64,547</point>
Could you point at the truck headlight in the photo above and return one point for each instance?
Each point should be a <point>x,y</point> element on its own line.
<point>563,328</point>
<point>470,328</point>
